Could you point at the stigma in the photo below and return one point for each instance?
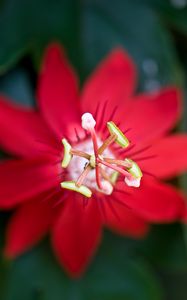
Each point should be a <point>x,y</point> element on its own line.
<point>93,167</point>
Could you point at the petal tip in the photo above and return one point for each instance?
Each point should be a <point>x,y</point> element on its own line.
<point>54,48</point>
<point>120,57</point>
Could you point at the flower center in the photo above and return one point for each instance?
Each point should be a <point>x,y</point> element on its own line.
<point>92,166</point>
<point>78,164</point>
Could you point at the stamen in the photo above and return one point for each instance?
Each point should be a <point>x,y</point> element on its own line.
<point>67,153</point>
<point>92,161</point>
<point>120,170</point>
<point>107,143</point>
<point>121,138</point>
<point>83,176</point>
<point>80,153</point>
<point>135,174</point>
<point>118,162</point>
<point>114,177</point>
<point>70,185</point>
<point>134,170</point>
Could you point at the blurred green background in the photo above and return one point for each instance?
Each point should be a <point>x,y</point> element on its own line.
<point>155,34</point>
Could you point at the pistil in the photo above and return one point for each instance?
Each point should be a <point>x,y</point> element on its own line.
<point>88,123</point>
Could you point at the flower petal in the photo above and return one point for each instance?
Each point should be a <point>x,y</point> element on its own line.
<point>123,220</point>
<point>170,157</point>
<point>57,90</point>
<point>110,85</point>
<point>21,128</point>
<point>153,201</point>
<point>27,226</point>
<point>76,234</point>
<point>150,116</point>
<point>21,180</point>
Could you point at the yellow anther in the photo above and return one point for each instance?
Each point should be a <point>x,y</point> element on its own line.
<point>135,170</point>
<point>114,177</point>
<point>67,153</point>
<point>92,161</point>
<point>121,139</point>
<point>71,185</point>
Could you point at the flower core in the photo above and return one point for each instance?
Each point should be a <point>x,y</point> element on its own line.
<point>93,166</point>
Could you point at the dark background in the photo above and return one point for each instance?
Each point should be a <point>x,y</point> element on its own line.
<point>155,34</point>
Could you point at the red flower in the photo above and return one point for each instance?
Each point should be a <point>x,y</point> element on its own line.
<point>38,183</point>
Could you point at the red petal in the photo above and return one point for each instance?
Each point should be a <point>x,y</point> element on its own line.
<point>152,115</point>
<point>23,180</point>
<point>170,157</point>
<point>21,128</point>
<point>123,220</point>
<point>153,201</point>
<point>57,91</point>
<point>27,226</point>
<point>113,81</point>
<point>76,234</point>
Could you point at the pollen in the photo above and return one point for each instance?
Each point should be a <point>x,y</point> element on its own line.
<point>93,167</point>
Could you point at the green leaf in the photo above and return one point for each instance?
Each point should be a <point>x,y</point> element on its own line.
<point>136,27</point>
<point>165,248</point>
<point>174,284</point>
<point>33,24</point>
<point>36,275</point>
<point>173,12</point>
<point>17,86</point>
